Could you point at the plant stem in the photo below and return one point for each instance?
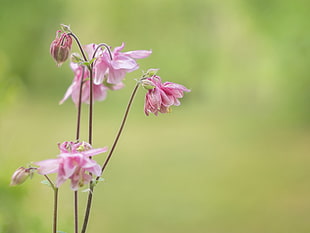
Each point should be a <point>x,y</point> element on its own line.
<point>55,203</point>
<point>90,194</point>
<point>106,46</point>
<point>120,129</point>
<point>55,210</point>
<point>90,125</point>
<point>79,44</point>
<point>76,223</point>
<point>88,207</point>
<point>79,107</point>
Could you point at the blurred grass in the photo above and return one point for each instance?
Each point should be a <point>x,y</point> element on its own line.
<point>232,158</point>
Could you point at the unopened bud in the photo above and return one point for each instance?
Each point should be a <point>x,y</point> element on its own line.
<point>60,47</point>
<point>147,84</point>
<point>150,72</point>
<point>65,28</point>
<point>20,175</point>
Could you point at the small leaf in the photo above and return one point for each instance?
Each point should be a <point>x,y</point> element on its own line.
<point>46,183</point>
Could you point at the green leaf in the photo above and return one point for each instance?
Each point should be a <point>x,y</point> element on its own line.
<point>46,183</point>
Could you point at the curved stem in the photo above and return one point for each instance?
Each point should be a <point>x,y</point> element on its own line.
<point>90,195</point>
<point>79,44</point>
<point>103,45</point>
<point>120,129</point>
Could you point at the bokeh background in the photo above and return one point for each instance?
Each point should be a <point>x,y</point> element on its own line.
<point>233,158</point>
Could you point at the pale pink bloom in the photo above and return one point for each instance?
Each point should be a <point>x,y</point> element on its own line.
<point>115,69</point>
<point>73,163</point>
<point>160,96</point>
<point>60,47</point>
<point>99,91</point>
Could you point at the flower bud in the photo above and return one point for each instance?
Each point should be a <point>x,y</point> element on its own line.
<point>147,84</point>
<point>150,72</point>
<point>20,175</point>
<point>60,47</point>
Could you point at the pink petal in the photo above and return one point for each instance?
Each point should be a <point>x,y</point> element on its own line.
<point>138,54</point>
<point>48,166</point>
<point>67,94</point>
<point>123,62</point>
<point>118,49</point>
<point>93,152</point>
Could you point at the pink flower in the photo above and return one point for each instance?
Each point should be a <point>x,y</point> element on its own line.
<point>160,96</point>
<point>73,163</point>
<point>115,69</point>
<point>60,47</point>
<point>99,91</point>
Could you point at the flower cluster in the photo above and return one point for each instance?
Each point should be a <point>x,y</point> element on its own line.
<point>74,163</point>
<point>109,70</point>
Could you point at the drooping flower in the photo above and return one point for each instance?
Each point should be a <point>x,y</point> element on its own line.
<point>113,67</point>
<point>161,96</point>
<point>73,163</point>
<point>60,47</point>
<point>99,90</point>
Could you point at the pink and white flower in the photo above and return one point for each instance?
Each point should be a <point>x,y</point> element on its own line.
<point>113,67</point>
<point>161,96</point>
<point>73,163</point>
<point>99,91</point>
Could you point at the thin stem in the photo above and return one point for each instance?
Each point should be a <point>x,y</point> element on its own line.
<point>90,194</point>
<point>106,46</point>
<point>55,203</point>
<point>88,207</point>
<point>90,125</point>
<point>79,44</point>
<point>49,181</point>
<point>55,210</point>
<point>79,106</point>
<point>120,129</point>
<point>76,223</point>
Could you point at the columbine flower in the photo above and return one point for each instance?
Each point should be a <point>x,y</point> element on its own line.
<point>160,96</point>
<point>115,70</point>
<point>60,47</point>
<point>73,163</point>
<point>99,91</point>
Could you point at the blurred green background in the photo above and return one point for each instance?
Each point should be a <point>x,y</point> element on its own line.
<point>233,158</point>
